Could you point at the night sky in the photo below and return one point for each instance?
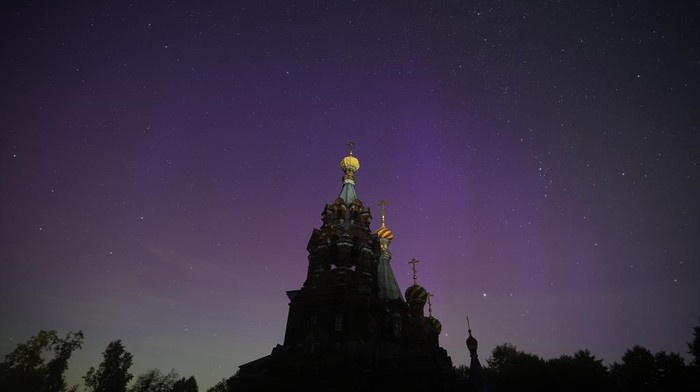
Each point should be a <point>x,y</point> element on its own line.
<point>164,164</point>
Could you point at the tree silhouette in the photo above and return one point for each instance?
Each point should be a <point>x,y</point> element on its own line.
<point>220,386</point>
<point>510,369</point>
<point>24,369</point>
<point>694,347</point>
<point>186,385</point>
<point>640,370</point>
<point>582,372</point>
<point>671,372</point>
<point>155,381</point>
<point>636,372</point>
<point>113,373</point>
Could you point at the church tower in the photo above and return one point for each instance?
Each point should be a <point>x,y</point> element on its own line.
<point>349,328</point>
<point>338,300</point>
<point>388,287</point>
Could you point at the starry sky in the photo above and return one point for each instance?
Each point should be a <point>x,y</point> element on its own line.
<point>163,165</point>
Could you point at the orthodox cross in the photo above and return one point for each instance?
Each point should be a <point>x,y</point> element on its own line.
<point>414,261</point>
<point>383,203</point>
<point>351,144</point>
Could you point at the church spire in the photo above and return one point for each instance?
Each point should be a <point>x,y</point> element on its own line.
<point>437,326</point>
<point>384,232</point>
<point>350,165</point>
<point>416,296</point>
<point>472,344</point>
<point>476,373</point>
<point>388,287</point>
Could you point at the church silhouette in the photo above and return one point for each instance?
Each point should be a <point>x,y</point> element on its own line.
<point>349,328</point>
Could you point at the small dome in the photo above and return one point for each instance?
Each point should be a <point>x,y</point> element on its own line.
<point>350,163</point>
<point>472,344</point>
<point>436,324</point>
<point>383,232</point>
<point>416,293</point>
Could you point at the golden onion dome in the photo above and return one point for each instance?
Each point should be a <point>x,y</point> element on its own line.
<point>385,233</point>
<point>350,163</point>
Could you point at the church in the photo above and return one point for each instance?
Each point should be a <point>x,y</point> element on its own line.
<point>349,327</point>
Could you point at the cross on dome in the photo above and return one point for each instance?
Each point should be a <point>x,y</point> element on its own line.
<point>413,267</point>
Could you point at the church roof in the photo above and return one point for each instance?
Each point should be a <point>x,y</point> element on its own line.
<point>388,287</point>
<point>347,193</point>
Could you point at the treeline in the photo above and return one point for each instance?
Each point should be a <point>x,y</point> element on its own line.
<point>510,369</point>
<point>640,371</point>
<point>39,366</point>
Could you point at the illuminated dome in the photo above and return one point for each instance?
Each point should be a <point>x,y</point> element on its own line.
<point>383,232</point>
<point>350,163</point>
<point>416,294</point>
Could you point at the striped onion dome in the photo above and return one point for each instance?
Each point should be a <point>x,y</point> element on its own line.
<point>383,232</point>
<point>436,324</point>
<point>416,293</point>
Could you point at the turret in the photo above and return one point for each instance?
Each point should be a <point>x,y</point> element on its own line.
<point>416,295</point>
<point>388,287</point>
<point>343,248</point>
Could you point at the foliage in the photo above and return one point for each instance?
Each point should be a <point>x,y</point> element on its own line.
<point>582,372</point>
<point>112,375</point>
<point>154,381</point>
<point>25,369</point>
<point>640,370</point>
<point>509,367</point>
<point>186,385</point>
<point>694,347</point>
<point>462,371</point>
<point>220,386</point>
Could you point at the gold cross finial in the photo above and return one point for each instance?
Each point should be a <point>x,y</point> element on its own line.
<point>414,261</point>
<point>469,327</point>
<point>351,144</point>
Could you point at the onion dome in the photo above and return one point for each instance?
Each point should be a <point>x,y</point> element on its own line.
<point>385,233</point>
<point>436,324</point>
<point>472,344</point>
<point>416,294</point>
<point>350,164</point>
